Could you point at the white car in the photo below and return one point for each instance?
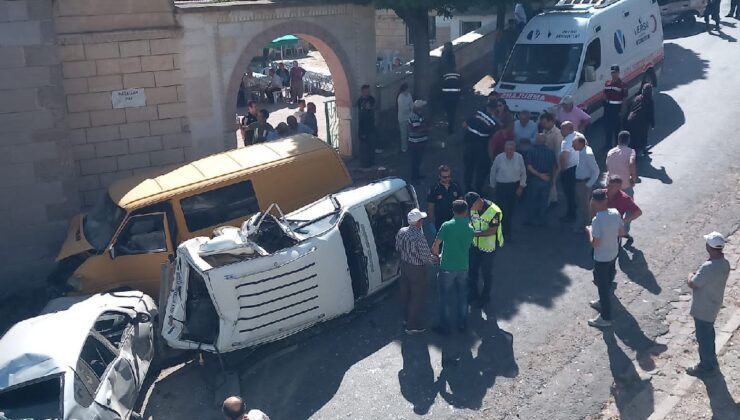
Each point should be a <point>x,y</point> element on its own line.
<point>278,275</point>
<point>80,359</point>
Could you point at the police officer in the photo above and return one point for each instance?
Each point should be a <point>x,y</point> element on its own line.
<point>450,97</point>
<point>476,162</point>
<point>441,195</point>
<point>485,217</point>
<point>615,93</point>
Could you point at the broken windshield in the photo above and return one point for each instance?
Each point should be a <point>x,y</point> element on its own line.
<point>101,223</point>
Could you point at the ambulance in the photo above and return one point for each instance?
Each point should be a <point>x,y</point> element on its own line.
<point>569,49</point>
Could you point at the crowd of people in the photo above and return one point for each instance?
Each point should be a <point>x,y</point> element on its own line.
<point>253,127</point>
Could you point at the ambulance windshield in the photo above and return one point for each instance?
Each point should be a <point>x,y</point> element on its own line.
<point>543,64</point>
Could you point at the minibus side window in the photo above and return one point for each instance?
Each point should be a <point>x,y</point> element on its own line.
<point>142,235</point>
<point>218,206</point>
<point>163,207</point>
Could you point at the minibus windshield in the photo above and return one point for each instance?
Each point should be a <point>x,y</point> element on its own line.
<point>102,221</point>
<point>543,64</point>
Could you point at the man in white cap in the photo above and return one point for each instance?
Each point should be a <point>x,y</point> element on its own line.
<point>708,284</point>
<point>415,255</point>
<point>418,131</point>
<point>569,112</point>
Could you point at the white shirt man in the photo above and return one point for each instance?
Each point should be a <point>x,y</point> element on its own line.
<point>587,174</point>
<point>587,169</point>
<point>525,131</point>
<point>567,146</point>
<point>508,169</point>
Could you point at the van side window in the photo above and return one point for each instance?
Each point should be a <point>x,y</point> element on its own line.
<point>163,207</point>
<point>218,206</point>
<point>142,235</point>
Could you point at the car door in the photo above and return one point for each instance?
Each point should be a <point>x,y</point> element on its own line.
<point>138,251</point>
<point>134,340</point>
<point>107,376</point>
<point>589,91</point>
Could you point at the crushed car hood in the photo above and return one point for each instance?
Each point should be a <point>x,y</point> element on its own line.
<point>75,242</point>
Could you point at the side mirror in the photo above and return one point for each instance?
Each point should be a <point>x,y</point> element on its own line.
<point>589,73</point>
<point>142,318</point>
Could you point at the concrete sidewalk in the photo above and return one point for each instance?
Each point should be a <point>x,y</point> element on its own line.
<point>676,394</point>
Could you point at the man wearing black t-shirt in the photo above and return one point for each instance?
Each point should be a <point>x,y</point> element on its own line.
<point>366,111</point>
<point>440,197</point>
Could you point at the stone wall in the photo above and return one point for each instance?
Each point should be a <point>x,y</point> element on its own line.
<point>390,35</point>
<point>37,191</point>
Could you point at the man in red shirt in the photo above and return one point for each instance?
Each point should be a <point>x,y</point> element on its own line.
<point>615,93</point>
<point>499,139</point>
<point>623,203</point>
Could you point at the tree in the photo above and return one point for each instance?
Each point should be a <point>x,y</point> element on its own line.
<point>415,14</point>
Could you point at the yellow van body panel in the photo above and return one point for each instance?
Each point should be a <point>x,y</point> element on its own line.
<point>292,172</point>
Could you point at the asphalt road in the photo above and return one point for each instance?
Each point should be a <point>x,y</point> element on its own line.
<point>530,354</point>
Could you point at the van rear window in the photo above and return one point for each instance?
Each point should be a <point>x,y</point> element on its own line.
<point>218,206</point>
<point>37,400</point>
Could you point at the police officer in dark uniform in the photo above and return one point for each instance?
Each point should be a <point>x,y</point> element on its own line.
<point>478,130</point>
<point>615,92</point>
<point>450,97</point>
<point>441,195</point>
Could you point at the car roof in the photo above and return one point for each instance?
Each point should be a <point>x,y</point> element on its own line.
<point>51,343</point>
<point>149,187</point>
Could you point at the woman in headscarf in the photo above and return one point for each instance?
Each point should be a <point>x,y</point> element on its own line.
<point>641,118</point>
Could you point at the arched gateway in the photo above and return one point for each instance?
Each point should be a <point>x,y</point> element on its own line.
<point>220,39</point>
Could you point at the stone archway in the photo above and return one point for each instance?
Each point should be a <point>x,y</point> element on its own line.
<point>334,55</point>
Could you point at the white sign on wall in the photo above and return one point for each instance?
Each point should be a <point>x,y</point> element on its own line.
<point>128,98</point>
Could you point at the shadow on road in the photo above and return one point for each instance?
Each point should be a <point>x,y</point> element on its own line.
<point>635,267</point>
<point>720,400</point>
<point>417,376</point>
<point>685,30</point>
<point>629,331</point>
<point>633,395</point>
<point>722,35</point>
<point>691,66</point>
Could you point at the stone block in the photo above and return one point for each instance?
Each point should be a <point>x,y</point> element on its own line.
<point>33,151</point>
<point>133,130</point>
<point>21,33</point>
<point>83,151</point>
<point>51,170</point>
<point>60,212</point>
<point>138,80</point>
<point>144,113</point>
<point>175,110</point>
<point>12,57</point>
<point>41,55</point>
<point>118,65</point>
<point>40,9</point>
<point>111,148</point>
<point>72,86</point>
<point>134,161</point>
<point>161,95</point>
<point>176,141</point>
<point>89,102</point>
<point>107,7</point>
<point>177,60</point>
<point>88,182</point>
<point>72,52</point>
<point>50,135</point>
<point>78,119</point>
<point>168,78</point>
<point>103,50</point>
<point>19,100</point>
<point>20,121</point>
<point>98,165</point>
<point>167,157</point>
<point>91,197</point>
<point>145,144</point>
<point>135,48</point>
<point>107,179</point>
<point>105,83</point>
<point>107,117</point>
<point>157,63</point>
<point>104,133</point>
<point>77,137</point>
<point>23,77</point>
<point>17,174</point>
<point>169,126</point>
<point>13,10</point>
<point>181,96</point>
<point>114,22</point>
<point>165,46</point>
<point>78,69</point>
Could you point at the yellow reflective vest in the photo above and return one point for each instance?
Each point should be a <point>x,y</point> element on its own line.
<point>483,222</point>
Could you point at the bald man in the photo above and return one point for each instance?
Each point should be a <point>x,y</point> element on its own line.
<point>234,408</point>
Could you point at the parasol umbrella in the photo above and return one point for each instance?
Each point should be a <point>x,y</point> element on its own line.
<point>283,41</point>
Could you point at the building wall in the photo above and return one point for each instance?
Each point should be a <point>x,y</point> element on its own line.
<point>390,36</point>
<point>37,190</point>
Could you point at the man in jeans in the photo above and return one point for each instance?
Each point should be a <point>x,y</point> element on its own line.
<point>604,232</point>
<point>457,235</point>
<point>708,284</point>
<point>541,166</point>
<point>415,254</point>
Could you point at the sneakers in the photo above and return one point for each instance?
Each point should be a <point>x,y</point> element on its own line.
<point>412,331</point>
<point>595,304</point>
<point>599,322</point>
<point>700,372</point>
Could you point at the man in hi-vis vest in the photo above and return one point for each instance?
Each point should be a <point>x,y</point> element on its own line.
<point>485,218</point>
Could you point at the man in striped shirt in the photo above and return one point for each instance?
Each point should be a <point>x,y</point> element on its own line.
<point>415,254</point>
<point>478,130</point>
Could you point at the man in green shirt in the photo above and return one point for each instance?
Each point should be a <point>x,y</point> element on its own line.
<point>457,235</point>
